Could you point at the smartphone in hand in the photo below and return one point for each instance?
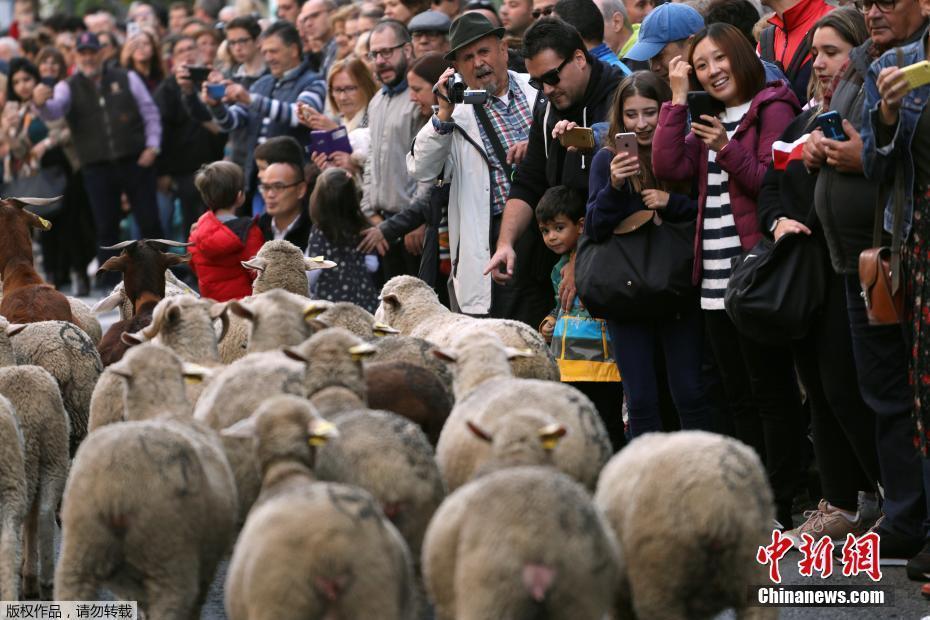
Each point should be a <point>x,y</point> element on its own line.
<point>831,124</point>
<point>626,143</point>
<point>582,138</point>
<point>701,103</point>
<point>917,74</point>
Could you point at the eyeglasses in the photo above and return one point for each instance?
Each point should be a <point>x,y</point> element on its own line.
<point>385,53</point>
<point>884,6</point>
<point>550,77</point>
<point>345,90</point>
<point>242,41</point>
<point>546,10</point>
<point>276,188</point>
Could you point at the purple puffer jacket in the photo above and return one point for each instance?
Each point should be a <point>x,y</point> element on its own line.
<point>677,156</point>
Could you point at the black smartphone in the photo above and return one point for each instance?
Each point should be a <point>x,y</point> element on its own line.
<point>831,124</point>
<point>699,103</point>
<point>198,73</point>
<point>49,81</point>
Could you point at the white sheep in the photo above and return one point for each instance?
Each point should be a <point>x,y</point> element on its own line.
<point>525,542</point>
<point>13,502</point>
<point>150,507</point>
<point>487,394</point>
<point>310,549</point>
<point>69,355</point>
<point>36,402</point>
<point>83,317</point>
<point>690,510</point>
<point>411,306</point>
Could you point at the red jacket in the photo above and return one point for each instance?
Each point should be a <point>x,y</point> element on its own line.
<point>681,156</point>
<point>791,29</point>
<point>217,253</point>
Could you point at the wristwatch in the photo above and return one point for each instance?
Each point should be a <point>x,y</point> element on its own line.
<point>775,223</point>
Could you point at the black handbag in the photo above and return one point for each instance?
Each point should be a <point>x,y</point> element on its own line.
<point>777,288</point>
<point>643,271</point>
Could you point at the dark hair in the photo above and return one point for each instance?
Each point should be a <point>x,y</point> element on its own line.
<point>849,23</point>
<point>177,39</point>
<point>156,68</point>
<point>552,33</point>
<point>247,23</point>
<point>334,207</point>
<point>584,16</point>
<point>560,200</point>
<point>17,65</point>
<point>51,51</point>
<point>281,150</point>
<point>740,13</point>
<point>745,66</point>
<point>416,6</point>
<point>181,5</point>
<point>401,34</point>
<point>210,7</point>
<point>284,30</point>
<point>219,184</point>
<point>429,67</point>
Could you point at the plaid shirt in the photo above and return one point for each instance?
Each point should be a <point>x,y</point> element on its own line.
<point>511,121</point>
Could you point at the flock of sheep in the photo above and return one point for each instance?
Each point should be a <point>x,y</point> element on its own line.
<point>409,463</point>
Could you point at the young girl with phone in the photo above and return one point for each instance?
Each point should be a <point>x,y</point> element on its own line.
<point>729,155</point>
<point>621,184</point>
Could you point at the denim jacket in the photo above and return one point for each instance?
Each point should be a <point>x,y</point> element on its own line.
<point>879,162</point>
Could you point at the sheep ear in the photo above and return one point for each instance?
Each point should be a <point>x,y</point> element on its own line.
<point>550,435</point>
<point>380,330</point>
<point>513,353</point>
<point>243,429</point>
<point>317,325</point>
<point>361,351</point>
<point>256,264</point>
<point>195,373</point>
<point>391,300</point>
<point>295,355</point>
<point>315,309</point>
<point>317,262</point>
<point>15,328</point>
<point>107,303</point>
<point>120,370</point>
<point>114,263</point>
<point>221,311</point>
<point>320,431</point>
<point>478,432</point>
<point>133,339</point>
<point>241,310</point>
<point>446,355</point>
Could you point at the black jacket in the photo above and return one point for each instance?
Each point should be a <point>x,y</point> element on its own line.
<point>299,235</point>
<point>104,119</point>
<point>185,143</point>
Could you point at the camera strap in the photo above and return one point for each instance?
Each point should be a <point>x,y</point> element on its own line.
<point>499,151</point>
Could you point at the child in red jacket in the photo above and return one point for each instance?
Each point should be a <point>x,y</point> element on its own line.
<point>221,241</point>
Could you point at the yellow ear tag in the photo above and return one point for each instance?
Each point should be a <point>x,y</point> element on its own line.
<point>321,433</point>
<point>317,259</point>
<point>550,436</point>
<point>316,441</point>
<point>361,351</point>
<point>46,225</point>
<point>313,310</point>
<point>192,379</point>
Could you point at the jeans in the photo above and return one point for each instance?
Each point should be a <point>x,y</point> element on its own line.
<point>681,339</point>
<point>881,355</point>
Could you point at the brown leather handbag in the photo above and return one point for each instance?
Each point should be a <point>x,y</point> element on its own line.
<point>880,266</point>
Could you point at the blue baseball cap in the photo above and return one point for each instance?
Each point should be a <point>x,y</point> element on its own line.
<point>667,22</point>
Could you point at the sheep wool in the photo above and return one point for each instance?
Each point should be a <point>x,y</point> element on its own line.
<point>685,504</point>
<point>312,549</point>
<point>525,542</point>
<point>413,350</point>
<point>487,395</point>
<point>411,306</point>
<point>13,502</point>
<point>84,318</point>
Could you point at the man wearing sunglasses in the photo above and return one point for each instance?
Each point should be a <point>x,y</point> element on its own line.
<point>846,202</point>
<point>578,91</point>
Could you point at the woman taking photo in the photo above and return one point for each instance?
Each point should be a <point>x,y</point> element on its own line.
<point>141,55</point>
<point>842,426</point>
<point>729,154</point>
<point>620,185</point>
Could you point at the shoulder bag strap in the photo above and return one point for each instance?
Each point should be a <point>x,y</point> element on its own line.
<point>767,44</point>
<point>499,151</point>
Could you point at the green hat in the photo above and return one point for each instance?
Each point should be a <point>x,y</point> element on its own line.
<point>469,28</point>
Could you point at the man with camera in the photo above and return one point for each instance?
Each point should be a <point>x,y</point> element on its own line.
<point>477,137</point>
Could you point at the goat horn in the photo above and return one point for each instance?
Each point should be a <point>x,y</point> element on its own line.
<point>158,319</point>
<point>119,246</point>
<point>220,311</point>
<point>19,203</point>
<point>168,242</point>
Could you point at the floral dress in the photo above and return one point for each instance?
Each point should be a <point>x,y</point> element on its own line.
<point>350,280</point>
<point>918,300</point>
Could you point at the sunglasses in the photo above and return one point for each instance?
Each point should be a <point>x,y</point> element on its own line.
<point>884,6</point>
<point>550,77</point>
<point>546,10</point>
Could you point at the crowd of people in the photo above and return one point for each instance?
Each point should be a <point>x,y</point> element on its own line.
<point>400,137</point>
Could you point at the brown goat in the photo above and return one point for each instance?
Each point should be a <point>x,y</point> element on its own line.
<point>26,296</point>
<point>143,264</point>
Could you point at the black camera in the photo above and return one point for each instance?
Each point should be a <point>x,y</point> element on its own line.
<point>460,93</point>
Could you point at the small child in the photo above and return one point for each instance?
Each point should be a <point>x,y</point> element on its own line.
<point>338,223</point>
<point>579,342</point>
<point>221,241</point>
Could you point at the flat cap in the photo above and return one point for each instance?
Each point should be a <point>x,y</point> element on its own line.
<point>430,21</point>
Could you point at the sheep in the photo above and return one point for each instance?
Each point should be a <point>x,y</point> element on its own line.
<point>69,355</point>
<point>411,306</point>
<point>26,298</point>
<point>312,549</point>
<point>414,350</point>
<point>150,506</point>
<point>685,504</point>
<point>13,502</point>
<point>352,317</point>
<point>487,393</point>
<point>524,542</point>
<point>280,265</point>
<point>40,412</point>
<point>143,264</point>
<point>84,318</point>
